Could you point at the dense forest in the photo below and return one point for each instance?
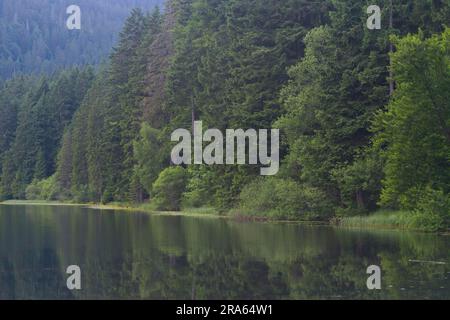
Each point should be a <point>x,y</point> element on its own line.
<point>34,37</point>
<point>364,114</point>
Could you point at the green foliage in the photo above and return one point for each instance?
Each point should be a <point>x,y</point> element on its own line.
<point>169,188</point>
<point>150,156</point>
<point>283,199</point>
<point>44,190</point>
<point>312,70</point>
<point>230,62</point>
<point>35,39</point>
<point>360,183</point>
<point>36,124</point>
<point>333,95</point>
<point>414,133</point>
<point>103,156</point>
<point>379,219</point>
<point>433,211</point>
<point>329,106</point>
<point>199,192</point>
<point>431,215</point>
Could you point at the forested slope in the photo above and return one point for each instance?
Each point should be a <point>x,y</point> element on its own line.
<point>313,69</point>
<point>34,37</point>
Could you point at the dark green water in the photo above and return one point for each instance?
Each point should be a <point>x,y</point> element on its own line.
<point>138,256</point>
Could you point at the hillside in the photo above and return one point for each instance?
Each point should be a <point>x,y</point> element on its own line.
<point>353,140</point>
<point>34,37</point>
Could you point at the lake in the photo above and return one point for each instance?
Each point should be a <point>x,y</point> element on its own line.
<point>125,255</point>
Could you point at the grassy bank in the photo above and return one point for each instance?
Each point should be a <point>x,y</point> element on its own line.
<point>383,219</point>
<point>145,207</point>
<point>387,219</point>
<point>39,203</point>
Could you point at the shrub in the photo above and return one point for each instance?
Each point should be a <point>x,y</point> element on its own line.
<point>81,194</point>
<point>168,189</point>
<point>198,189</point>
<point>194,199</point>
<point>43,190</point>
<point>33,192</point>
<point>359,183</point>
<point>283,199</point>
<point>433,211</point>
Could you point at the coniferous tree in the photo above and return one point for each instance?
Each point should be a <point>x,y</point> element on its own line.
<point>332,98</point>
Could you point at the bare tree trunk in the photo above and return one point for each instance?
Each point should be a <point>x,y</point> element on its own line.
<point>360,200</point>
<point>391,49</point>
<point>193,114</point>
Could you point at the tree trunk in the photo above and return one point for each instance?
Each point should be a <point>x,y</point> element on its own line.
<point>391,50</point>
<point>360,200</point>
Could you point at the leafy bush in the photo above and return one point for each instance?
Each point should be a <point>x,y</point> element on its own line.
<point>150,154</point>
<point>283,199</point>
<point>199,192</point>
<point>33,191</point>
<point>433,211</point>
<point>43,190</point>
<point>81,194</point>
<point>168,189</point>
<point>359,183</point>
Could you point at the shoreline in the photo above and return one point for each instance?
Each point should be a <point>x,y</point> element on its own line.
<point>212,213</point>
<point>115,206</point>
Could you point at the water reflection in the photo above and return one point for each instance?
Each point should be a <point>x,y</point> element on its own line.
<point>138,256</point>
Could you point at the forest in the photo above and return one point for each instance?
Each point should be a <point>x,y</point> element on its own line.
<point>364,115</point>
<point>34,37</point>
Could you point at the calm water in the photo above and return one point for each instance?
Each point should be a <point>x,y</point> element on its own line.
<point>138,256</point>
